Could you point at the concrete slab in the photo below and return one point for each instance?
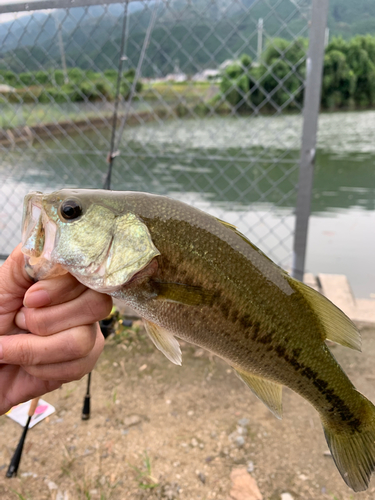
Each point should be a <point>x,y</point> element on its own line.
<point>310,280</point>
<point>336,288</point>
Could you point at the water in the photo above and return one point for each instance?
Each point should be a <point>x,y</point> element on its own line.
<point>341,230</point>
<point>243,170</point>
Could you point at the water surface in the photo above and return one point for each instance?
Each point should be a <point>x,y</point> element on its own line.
<point>243,170</point>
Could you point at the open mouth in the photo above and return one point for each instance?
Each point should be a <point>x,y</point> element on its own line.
<point>39,234</point>
<point>38,241</point>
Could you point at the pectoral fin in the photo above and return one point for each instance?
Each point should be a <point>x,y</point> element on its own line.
<point>183,294</point>
<point>268,392</point>
<point>164,341</point>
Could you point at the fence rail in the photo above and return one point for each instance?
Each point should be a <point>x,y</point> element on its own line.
<point>215,120</point>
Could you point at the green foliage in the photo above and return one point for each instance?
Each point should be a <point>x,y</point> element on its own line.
<point>10,78</point>
<point>279,74</point>
<point>276,81</point>
<point>27,79</point>
<point>111,74</point>
<point>339,81</point>
<point>349,73</point>
<point>76,75</point>
<point>42,77</point>
<point>58,76</point>
<point>50,86</point>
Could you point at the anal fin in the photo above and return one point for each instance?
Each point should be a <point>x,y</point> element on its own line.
<point>164,341</point>
<point>270,393</point>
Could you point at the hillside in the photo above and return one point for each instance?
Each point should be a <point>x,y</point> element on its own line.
<point>193,35</point>
<point>348,18</point>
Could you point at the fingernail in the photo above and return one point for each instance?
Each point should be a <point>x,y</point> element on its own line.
<point>20,320</point>
<point>39,298</point>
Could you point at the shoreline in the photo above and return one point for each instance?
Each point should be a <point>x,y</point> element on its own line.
<point>10,137</point>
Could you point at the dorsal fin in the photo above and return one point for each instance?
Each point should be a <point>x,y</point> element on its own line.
<point>337,326</point>
<point>244,238</point>
<point>270,393</point>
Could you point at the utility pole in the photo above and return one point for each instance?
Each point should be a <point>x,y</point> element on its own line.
<point>260,39</point>
<point>61,47</point>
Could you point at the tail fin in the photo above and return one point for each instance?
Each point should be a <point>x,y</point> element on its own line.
<point>353,451</point>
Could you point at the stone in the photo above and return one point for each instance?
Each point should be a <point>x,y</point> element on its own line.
<point>243,422</point>
<point>62,495</point>
<point>240,441</point>
<point>250,466</point>
<point>286,496</point>
<point>244,487</point>
<point>52,486</point>
<point>201,477</point>
<point>132,420</point>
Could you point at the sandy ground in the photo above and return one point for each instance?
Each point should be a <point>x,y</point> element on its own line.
<point>158,431</point>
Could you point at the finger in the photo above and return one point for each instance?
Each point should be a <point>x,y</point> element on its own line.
<point>88,308</point>
<point>29,349</point>
<point>69,370</point>
<point>14,281</point>
<point>53,291</point>
<point>24,387</point>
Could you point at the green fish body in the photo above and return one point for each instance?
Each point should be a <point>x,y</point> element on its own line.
<point>194,277</point>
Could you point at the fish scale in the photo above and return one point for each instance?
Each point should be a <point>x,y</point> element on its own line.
<point>194,277</point>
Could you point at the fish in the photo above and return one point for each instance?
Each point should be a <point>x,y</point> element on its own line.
<point>194,277</point>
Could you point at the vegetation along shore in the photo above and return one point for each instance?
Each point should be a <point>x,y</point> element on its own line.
<point>348,83</point>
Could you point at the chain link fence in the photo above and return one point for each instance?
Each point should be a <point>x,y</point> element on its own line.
<point>214,120</point>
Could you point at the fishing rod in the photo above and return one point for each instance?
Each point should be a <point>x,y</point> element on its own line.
<point>86,409</point>
<point>16,459</point>
<point>113,153</point>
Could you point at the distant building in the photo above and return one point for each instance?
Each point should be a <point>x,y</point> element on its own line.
<point>207,74</point>
<point>227,62</point>
<point>176,77</point>
<point>5,89</point>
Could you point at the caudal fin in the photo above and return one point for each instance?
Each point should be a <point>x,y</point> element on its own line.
<point>353,451</point>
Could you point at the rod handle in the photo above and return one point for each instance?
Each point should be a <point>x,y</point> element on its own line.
<point>86,408</point>
<point>33,406</point>
<point>15,462</point>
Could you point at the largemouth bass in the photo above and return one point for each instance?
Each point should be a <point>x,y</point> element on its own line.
<point>194,277</point>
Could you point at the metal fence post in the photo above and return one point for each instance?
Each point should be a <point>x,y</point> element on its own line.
<point>314,73</point>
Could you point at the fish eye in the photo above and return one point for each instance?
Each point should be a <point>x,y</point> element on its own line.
<point>70,209</point>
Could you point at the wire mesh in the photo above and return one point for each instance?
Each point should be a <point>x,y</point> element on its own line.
<point>215,120</point>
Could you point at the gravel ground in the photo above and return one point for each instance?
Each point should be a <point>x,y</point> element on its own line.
<point>158,431</point>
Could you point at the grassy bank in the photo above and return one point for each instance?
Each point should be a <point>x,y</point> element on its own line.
<point>176,99</point>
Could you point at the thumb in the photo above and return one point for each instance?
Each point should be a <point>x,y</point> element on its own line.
<point>14,282</point>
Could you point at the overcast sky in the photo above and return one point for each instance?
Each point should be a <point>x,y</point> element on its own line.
<point>14,15</point>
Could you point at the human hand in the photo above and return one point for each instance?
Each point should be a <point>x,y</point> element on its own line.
<point>48,332</point>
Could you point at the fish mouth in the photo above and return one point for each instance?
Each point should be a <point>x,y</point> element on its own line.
<point>38,240</point>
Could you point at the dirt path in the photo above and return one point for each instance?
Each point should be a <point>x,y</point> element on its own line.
<point>158,431</point>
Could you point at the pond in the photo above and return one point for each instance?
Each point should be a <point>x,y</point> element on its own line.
<point>243,170</point>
